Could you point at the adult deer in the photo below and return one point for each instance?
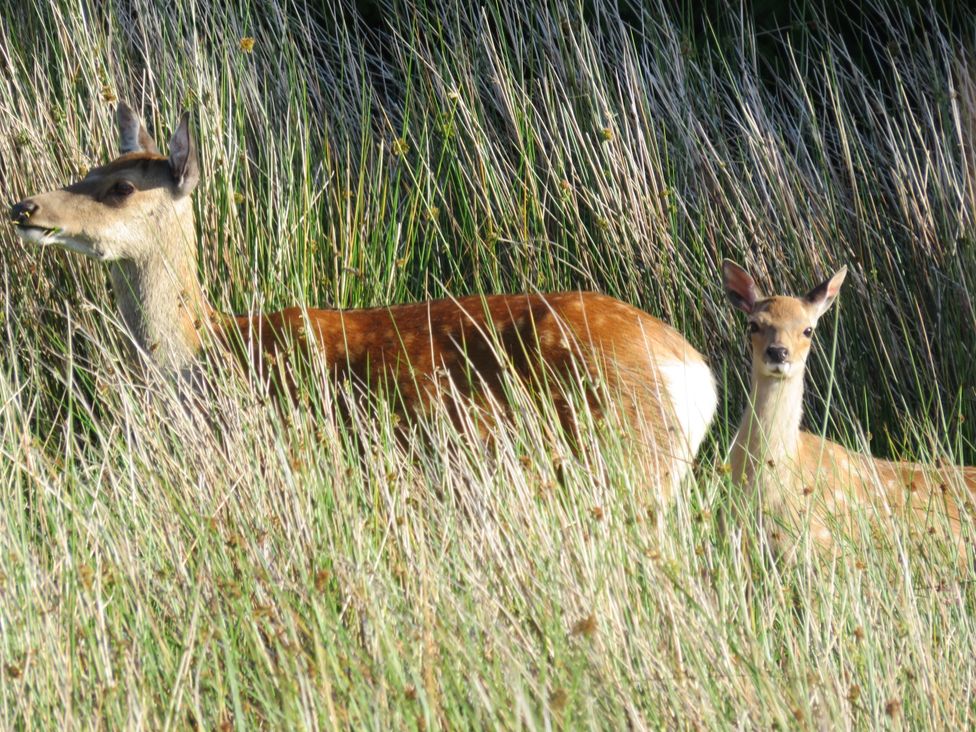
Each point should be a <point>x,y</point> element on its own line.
<point>799,477</point>
<point>135,213</point>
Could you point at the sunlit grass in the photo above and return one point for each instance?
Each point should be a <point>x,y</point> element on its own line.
<point>237,564</point>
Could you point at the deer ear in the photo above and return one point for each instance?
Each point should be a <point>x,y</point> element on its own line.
<point>183,158</point>
<point>132,133</point>
<point>739,286</point>
<point>823,295</point>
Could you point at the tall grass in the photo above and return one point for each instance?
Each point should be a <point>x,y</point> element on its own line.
<point>299,572</point>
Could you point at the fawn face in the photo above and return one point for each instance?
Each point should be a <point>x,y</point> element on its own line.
<point>119,209</point>
<point>781,327</point>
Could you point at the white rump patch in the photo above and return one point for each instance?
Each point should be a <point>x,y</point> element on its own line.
<point>693,396</point>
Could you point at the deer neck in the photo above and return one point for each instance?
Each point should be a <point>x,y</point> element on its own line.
<point>161,301</point>
<point>769,432</point>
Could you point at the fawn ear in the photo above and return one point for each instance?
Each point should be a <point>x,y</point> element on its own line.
<point>739,286</point>
<point>823,295</point>
<point>132,133</point>
<point>183,158</point>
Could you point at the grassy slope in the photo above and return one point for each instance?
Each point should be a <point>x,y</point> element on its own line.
<point>300,574</point>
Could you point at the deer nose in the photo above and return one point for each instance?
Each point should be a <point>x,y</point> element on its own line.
<point>21,212</point>
<point>777,354</point>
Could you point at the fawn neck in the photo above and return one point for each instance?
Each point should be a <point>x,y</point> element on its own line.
<point>160,298</point>
<point>769,432</point>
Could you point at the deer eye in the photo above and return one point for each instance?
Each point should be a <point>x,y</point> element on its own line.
<point>753,327</point>
<point>808,332</point>
<point>121,189</point>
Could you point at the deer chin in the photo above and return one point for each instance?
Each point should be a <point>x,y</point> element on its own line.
<point>778,370</point>
<point>36,234</point>
<point>48,236</point>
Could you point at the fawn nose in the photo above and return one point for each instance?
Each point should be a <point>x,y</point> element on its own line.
<point>21,212</point>
<point>777,354</point>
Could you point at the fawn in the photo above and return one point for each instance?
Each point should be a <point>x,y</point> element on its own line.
<point>135,214</point>
<point>798,476</point>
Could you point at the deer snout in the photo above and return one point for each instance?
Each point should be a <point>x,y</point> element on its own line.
<point>21,212</point>
<point>777,354</point>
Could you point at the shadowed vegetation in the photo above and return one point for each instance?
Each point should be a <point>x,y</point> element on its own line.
<point>293,571</point>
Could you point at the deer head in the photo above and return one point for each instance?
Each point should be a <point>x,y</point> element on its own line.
<point>135,213</point>
<point>780,328</point>
<point>122,210</point>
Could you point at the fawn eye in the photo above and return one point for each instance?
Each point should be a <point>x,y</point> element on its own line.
<point>753,327</point>
<point>121,189</point>
<point>808,332</point>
